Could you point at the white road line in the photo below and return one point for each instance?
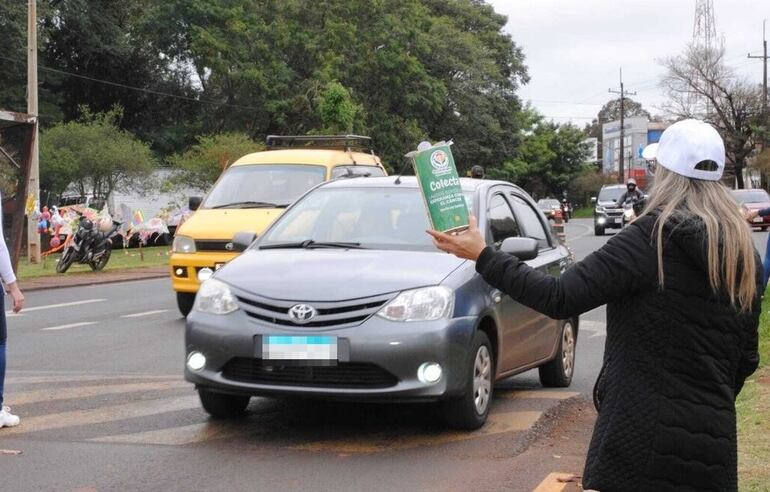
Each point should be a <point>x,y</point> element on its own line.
<point>54,306</point>
<point>71,325</point>
<point>146,313</point>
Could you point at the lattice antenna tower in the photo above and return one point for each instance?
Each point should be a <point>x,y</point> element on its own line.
<point>704,40</point>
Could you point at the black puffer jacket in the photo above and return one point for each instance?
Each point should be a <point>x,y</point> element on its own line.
<point>674,359</point>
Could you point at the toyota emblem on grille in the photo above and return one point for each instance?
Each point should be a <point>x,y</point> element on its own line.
<point>302,313</point>
<point>229,246</point>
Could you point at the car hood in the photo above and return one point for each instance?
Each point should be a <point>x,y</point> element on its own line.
<point>756,205</point>
<point>608,203</point>
<point>332,275</point>
<point>225,222</point>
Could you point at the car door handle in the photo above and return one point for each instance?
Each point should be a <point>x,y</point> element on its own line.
<point>497,296</point>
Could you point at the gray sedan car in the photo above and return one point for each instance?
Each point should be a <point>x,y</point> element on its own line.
<point>345,297</point>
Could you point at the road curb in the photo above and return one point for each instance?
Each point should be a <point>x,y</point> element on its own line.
<point>45,283</point>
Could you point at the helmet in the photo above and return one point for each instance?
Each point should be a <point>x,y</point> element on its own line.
<point>631,181</point>
<point>86,224</point>
<point>477,172</point>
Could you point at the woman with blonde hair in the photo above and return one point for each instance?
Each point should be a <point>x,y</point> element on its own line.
<point>682,288</point>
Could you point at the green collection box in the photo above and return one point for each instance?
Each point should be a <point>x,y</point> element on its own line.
<point>437,175</point>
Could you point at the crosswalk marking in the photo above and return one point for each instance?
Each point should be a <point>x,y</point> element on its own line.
<point>146,313</point>
<point>179,436</point>
<point>547,394</point>
<point>68,326</point>
<point>104,414</point>
<point>497,423</point>
<point>53,306</point>
<point>58,393</point>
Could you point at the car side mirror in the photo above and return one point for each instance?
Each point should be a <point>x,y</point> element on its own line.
<point>194,203</point>
<point>242,240</point>
<point>524,248</point>
<point>593,200</point>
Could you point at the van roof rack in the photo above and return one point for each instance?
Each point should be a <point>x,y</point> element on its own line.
<point>341,142</point>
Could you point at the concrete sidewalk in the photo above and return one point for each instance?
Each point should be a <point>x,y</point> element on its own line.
<point>93,278</point>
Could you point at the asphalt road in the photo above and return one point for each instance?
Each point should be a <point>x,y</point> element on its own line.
<point>95,374</point>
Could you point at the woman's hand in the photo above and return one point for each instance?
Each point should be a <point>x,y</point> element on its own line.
<point>751,214</point>
<point>17,296</point>
<point>467,244</point>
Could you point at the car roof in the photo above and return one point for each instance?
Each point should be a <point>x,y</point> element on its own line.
<point>467,184</point>
<point>322,157</point>
<point>748,190</point>
<point>614,186</point>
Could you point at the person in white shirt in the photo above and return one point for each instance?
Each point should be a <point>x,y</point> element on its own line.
<point>7,419</point>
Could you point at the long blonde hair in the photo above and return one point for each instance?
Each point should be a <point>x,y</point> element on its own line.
<point>712,202</point>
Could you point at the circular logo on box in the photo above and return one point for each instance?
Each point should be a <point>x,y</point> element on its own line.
<point>439,160</point>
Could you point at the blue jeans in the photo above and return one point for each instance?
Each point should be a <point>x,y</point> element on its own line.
<point>766,264</point>
<point>3,337</point>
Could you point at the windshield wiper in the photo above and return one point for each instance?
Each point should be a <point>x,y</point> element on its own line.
<point>310,244</point>
<point>252,204</point>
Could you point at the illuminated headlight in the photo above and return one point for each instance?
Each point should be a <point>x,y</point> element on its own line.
<point>425,304</point>
<point>628,213</point>
<point>599,210</point>
<point>601,220</point>
<point>204,274</point>
<point>196,361</point>
<point>214,297</point>
<point>183,244</point>
<point>429,372</point>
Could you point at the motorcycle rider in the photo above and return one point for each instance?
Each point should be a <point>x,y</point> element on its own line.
<point>631,193</point>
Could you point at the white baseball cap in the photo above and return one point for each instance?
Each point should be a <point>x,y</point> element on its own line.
<point>688,148</point>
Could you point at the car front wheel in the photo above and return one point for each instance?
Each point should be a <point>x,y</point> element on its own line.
<point>185,301</point>
<point>598,230</point>
<point>470,410</point>
<point>558,372</point>
<point>222,406</point>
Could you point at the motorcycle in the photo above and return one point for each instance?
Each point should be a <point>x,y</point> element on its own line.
<point>631,209</point>
<point>88,246</point>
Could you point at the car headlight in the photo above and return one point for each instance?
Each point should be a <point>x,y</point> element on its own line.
<point>599,210</point>
<point>425,304</point>
<point>215,297</point>
<point>183,244</point>
<point>628,213</point>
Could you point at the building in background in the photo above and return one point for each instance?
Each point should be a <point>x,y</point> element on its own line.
<point>593,150</point>
<point>639,132</point>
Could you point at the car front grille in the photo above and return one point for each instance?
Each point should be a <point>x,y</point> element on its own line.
<point>342,375</point>
<point>211,245</point>
<point>613,212</point>
<point>330,314</point>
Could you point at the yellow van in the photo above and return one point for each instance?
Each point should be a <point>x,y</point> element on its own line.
<point>252,192</point>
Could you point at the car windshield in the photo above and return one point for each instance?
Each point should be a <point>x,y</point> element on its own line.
<point>350,171</point>
<point>371,218</point>
<point>545,204</point>
<point>754,196</point>
<point>611,194</point>
<point>263,186</point>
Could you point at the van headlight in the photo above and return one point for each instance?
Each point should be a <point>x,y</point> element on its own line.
<point>425,304</point>
<point>215,297</point>
<point>599,210</point>
<point>183,244</point>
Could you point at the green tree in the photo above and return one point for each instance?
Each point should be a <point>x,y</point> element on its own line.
<point>548,157</point>
<point>587,184</point>
<point>337,110</point>
<point>94,155</point>
<point>201,165</point>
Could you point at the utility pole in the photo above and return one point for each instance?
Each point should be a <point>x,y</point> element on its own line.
<point>33,239</point>
<point>765,120</point>
<point>622,156</point>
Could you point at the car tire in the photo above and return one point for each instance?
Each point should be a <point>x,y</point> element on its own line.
<point>598,231</point>
<point>469,411</point>
<point>185,301</point>
<point>558,372</point>
<point>223,406</point>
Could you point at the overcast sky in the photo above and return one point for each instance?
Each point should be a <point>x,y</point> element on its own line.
<point>574,48</point>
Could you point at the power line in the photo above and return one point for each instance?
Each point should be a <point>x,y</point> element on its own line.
<point>622,92</point>
<point>133,88</point>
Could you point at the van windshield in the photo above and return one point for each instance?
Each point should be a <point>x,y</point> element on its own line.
<point>263,185</point>
<point>611,194</point>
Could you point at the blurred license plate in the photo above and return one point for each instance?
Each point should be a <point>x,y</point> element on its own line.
<point>299,347</point>
<point>619,220</point>
<point>758,219</point>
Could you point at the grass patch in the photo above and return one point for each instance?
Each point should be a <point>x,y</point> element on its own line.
<point>121,259</point>
<point>753,411</point>
<point>583,213</point>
